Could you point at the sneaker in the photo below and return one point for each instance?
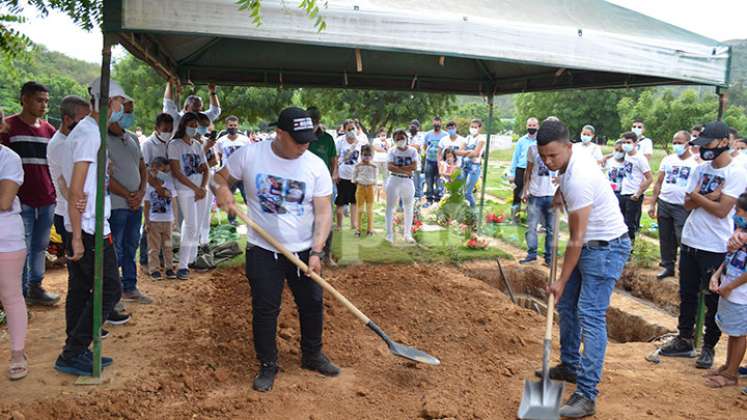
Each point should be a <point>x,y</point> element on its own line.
<point>156,275</point>
<point>578,406</point>
<point>104,334</point>
<point>170,274</point>
<point>410,240</point>
<point>357,234</point>
<point>105,361</point>
<point>118,318</point>
<point>330,262</point>
<point>266,377</point>
<point>38,296</point>
<point>678,347</point>
<point>528,260</point>
<point>560,372</point>
<point>390,239</point>
<point>742,371</point>
<point>548,263</point>
<point>137,297</point>
<point>744,390</point>
<point>79,365</point>
<point>705,360</point>
<point>667,272</point>
<point>182,274</point>
<point>319,363</point>
<point>427,204</point>
<point>369,234</point>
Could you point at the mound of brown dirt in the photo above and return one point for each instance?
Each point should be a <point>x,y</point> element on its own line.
<point>663,293</point>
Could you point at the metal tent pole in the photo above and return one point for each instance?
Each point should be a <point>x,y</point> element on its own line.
<point>488,129</point>
<point>723,101</point>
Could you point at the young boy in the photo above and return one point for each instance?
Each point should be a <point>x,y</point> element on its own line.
<point>730,283</point>
<point>364,176</point>
<point>614,164</point>
<point>159,216</point>
<point>635,182</point>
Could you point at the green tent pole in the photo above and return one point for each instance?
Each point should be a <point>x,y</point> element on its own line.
<point>488,129</point>
<point>700,320</point>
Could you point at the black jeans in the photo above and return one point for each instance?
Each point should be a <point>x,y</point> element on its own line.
<point>519,181</point>
<point>671,218</point>
<point>239,185</point>
<point>79,303</point>
<point>631,211</point>
<point>696,268</point>
<point>267,273</point>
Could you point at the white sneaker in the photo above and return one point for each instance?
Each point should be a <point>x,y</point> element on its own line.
<point>410,240</point>
<point>390,239</point>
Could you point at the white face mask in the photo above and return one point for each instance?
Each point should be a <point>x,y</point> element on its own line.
<point>165,135</point>
<point>474,130</point>
<point>401,144</point>
<point>190,131</point>
<point>637,131</point>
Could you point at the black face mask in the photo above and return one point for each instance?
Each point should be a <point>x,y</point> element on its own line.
<point>436,127</point>
<point>713,153</point>
<point>532,131</point>
<point>413,130</point>
<point>232,130</point>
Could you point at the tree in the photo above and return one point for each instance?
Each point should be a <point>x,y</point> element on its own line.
<point>468,111</point>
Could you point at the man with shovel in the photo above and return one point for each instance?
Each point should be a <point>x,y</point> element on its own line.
<point>289,192</point>
<point>594,259</point>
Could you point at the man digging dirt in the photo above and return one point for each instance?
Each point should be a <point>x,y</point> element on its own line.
<point>594,259</point>
<point>289,191</point>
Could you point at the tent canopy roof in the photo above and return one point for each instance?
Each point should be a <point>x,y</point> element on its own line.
<point>474,47</point>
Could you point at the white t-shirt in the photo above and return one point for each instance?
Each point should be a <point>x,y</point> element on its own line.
<point>447,143</point>
<point>703,230</point>
<point>190,157</point>
<point>57,152</point>
<point>381,157</point>
<point>735,267</point>
<point>153,148</point>
<point>676,174</point>
<point>615,173</point>
<point>403,157</point>
<point>540,184</point>
<point>645,146</point>
<point>280,193</point>
<point>634,168</point>
<point>161,209</point>
<point>741,159</point>
<point>13,237</point>
<point>583,185</point>
<point>364,174</point>
<point>348,155</point>
<point>417,140</point>
<point>84,142</point>
<point>226,146</point>
<point>471,143</point>
<point>592,149</point>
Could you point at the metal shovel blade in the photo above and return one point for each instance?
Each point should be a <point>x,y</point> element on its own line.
<point>401,350</point>
<point>541,400</point>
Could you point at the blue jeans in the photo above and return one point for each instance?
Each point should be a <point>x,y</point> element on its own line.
<point>37,222</point>
<point>417,178</point>
<point>125,225</point>
<point>539,210</point>
<point>431,181</point>
<point>143,250</point>
<point>582,310</point>
<point>238,186</point>
<point>472,173</point>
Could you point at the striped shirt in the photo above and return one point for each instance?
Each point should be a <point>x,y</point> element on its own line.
<point>30,143</point>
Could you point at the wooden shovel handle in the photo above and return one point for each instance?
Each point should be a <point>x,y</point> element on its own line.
<point>301,265</point>
<point>553,273</point>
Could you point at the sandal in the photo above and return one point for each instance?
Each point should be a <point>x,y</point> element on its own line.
<point>720,381</point>
<point>714,372</point>
<point>18,370</point>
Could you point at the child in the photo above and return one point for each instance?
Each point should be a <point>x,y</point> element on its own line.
<point>381,146</point>
<point>732,305</point>
<point>446,168</point>
<point>158,219</point>
<point>403,160</point>
<point>364,176</point>
<point>614,164</point>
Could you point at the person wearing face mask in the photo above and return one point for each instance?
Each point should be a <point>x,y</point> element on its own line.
<point>635,182</point>
<point>644,144</point>
<point>190,172</point>
<point>587,145</point>
<point>710,197</point>
<point>740,146</point>
<point>228,144</point>
<point>451,141</point>
<point>127,182</point>
<point>399,187</point>
<point>668,201</point>
<point>364,177</point>
<point>519,165</point>
<point>614,165</point>
<point>324,148</point>
<point>431,144</point>
<point>471,153</point>
<point>733,136</point>
<point>208,139</point>
<point>349,153</point>
<point>381,145</point>
<point>193,103</point>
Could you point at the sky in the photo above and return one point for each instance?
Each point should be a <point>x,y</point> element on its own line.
<point>718,19</point>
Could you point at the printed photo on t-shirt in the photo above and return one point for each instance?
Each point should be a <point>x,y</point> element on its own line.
<point>616,175</point>
<point>739,260</point>
<point>351,158</point>
<point>278,195</point>
<point>402,161</point>
<point>158,204</point>
<point>710,183</point>
<point>228,151</point>
<point>190,163</point>
<point>677,175</point>
<point>628,167</point>
<point>542,169</point>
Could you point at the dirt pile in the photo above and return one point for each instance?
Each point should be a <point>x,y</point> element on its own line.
<point>663,293</point>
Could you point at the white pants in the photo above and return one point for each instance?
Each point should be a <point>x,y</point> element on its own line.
<point>190,228</point>
<point>203,212</point>
<point>399,188</point>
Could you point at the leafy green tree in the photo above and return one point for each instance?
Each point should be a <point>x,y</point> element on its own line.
<point>466,112</point>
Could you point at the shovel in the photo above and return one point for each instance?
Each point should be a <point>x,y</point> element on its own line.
<point>541,399</point>
<point>396,348</point>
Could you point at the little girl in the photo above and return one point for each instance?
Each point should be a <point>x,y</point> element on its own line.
<point>364,176</point>
<point>731,317</point>
<point>448,165</point>
<point>381,146</point>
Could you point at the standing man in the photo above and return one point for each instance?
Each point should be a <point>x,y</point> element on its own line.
<point>636,180</point>
<point>710,197</point>
<point>324,148</point>
<point>430,143</point>
<point>417,142</point>
<point>228,144</point>
<point>594,259</point>
<point>300,221</point>
<point>540,185</point>
<point>643,144</point>
<point>193,103</point>
<point>519,165</point>
<point>668,204</point>
<point>128,178</point>
<point>28,134</point>
<point>349,152</point>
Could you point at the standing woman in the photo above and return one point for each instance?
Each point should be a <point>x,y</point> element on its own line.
<point>381,148</point>
<point>190,173</point>
<point>471,153</point>
<point>402,162</point>
<point>12,257</point>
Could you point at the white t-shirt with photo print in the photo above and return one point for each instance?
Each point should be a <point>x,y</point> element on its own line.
<point>403,157</point>
<point>161,208</point>
<point>348,155</point>
<point>11,169</point>
<point>676,173</point>
<point>702,229</point>
<point>190,157</point>
<point>615,173</point>
<point>735,266</point>
<point>226,146</point>
<point>280,193</point>
<point>541,183</point>
<point>634,167</point>
<point>455,144</point>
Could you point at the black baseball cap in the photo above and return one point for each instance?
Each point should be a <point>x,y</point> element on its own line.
<point>297,123</point>
<point>713,131</point>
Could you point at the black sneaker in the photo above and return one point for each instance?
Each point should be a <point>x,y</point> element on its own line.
<point>667,272</point>
<point>79,365</point>
<point>156,275</point>
<point>742,371</point>
<point>560,372</point>
<point>678,347</point>
<point>38,296</point>
<point>528,260</point>
<point>266,377</point>
<point>105,361</point>
<point>170,274</point>
<point>118,318</point>
<point>705,360</point>
<point>578,406</point>
<point>319,363</point>
<point>182,274</point>
<point>104,333</point>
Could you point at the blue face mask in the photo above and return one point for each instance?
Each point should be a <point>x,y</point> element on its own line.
<point>452,132</point>
<point>586,139</point>
<point>619,155</point>
<point>126,121</point>
<point>190,131</point>
<point>202,130</point>
<point>740,221</point>
<point>679,149</point>
<point>627,147</point>
<point>117,115</point>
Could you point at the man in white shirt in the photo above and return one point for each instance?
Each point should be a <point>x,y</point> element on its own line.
<point>452,141</point>
<point>594,260</point>
<point>289,191</point>
<point>231,142</point>
<point>668,204</point>
<point>419,141</point>
<point>193,103</point>
<point>711,194</point>
<point>636,180</point>
<point>587,144</point>
<point>644,144</point>
<point>349,153</point>
<point>540,184</point>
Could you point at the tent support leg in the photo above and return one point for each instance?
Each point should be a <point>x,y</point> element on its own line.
<point>723,102</point>
<point>488,130</point>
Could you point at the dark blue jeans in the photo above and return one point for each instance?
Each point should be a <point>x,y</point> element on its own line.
<point>237,186</point>
<point>471,172</point>
<point>37,221</point>
<point>583,311</point>
<point>432,192</point>
<point>539,210</point>
<point>125,225</point>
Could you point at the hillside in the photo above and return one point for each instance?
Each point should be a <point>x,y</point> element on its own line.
<point>738,60</point>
